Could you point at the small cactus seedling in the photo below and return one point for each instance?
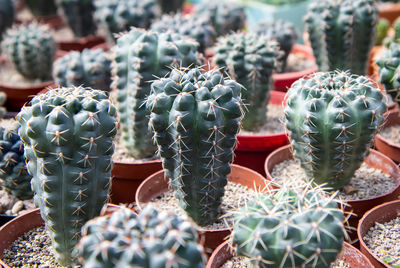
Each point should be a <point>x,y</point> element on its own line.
<point>151,239</point>
<point>382,29</point>
<point>332,119</point>
<point>286,229</point>
<point>89,68</point>
<point>42,8</point>
<point>196,117</point>
<point>169,6</point>
<point>141,56</point>
<point>3,110</point>
<point>68,136</point>
<point>250,60</point>
<point>31,49</point>
<point>7,15</point>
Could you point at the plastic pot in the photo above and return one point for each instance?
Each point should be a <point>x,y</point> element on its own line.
<point>156,185</point>
<point>350,255</point>
<point>380,214</point>
<point>385,146</point>
<point>80,44</point>
<point>389,11</point>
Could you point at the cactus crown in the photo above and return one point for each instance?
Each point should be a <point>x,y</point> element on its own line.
<point>332,119</point>
<point>289,229</point>
<point>151,239</point>
<point>196,116</point>
<point>89,68</point>
<point>31,49</point>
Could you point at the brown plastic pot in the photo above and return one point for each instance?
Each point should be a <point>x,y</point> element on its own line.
<point>385,146</point>
<point>380,214</point>
<point>80,44</point>
<point>157,184</point>
<point>389,11</point>
<point>350,255</point>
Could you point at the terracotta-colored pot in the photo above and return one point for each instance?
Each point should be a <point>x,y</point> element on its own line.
<point>188,8</point>
<point>156,185</point>
<point>380,214</point>
<point>389,11</point>
<point>252,150</point>
<point>385,146</point>
<point>350,255</point>
<point>80,44</point>
<point>126,178</point>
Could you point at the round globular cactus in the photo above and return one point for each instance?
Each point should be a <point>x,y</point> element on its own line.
<point>139,57</point>
<point>151,239</point>
<point>332,119</point>
<point>68,136</point>
<point>89,68</point>
<point>286,229</point>
<point>14,177</point>
<point>42,8</point>
<point>196,117</point>
<point>250,60</point>
<point>7,15</point>
<point>31,49</point>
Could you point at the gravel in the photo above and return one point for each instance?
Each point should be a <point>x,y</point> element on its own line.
<point>274,123</point>
<point>366,182</point>
<point>384,241</point>
<point>391,133</point>
<point>298,62</point>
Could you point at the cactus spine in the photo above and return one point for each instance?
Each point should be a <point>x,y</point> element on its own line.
<point>250,60</point>
<point>68,137</point>
<point>42,8</point>
<point>332,119</point>
<point>151,239</point>
<point>196,117</point>
<point>7,15</point>
<point>139,58</point>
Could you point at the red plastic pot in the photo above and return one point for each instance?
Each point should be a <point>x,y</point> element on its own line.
<point>156,185</point>
<point>385,146</point>
<point>80,44</point>
<point>380,214</point>
<point>389,11</point>
<point>350,255</point>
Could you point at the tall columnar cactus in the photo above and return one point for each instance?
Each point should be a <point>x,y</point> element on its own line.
<point>3,99</point>
<point>169,6</point>
<point>89,68</point>
<point>42,8</point>
<point>284,33</point>
<point>196,117</point>
<point>7,15</point>
<point>14,177</point>
<point>68,136</point>
<point>31,49</point>
<point>225,16</point>
<point>151,239</point>
<point>116,16</point>
<point>332,119</point>
<point>342,33</point>
<point>250,60</point>
<point>286,229</point>
<point>79,16</point>
<point>139,58</point>
<point>198,28</point>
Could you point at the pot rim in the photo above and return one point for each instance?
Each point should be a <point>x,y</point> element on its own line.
<point>388,142</point>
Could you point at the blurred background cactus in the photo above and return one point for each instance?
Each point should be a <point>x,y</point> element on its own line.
<point>7,15</point>
<point>3,99</point>
<point>382,29</point>
<point>42,8</point>
<point>171,6</point>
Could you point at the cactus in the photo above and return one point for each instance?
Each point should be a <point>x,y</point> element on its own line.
<point>284,33</point>
<point>396,36</point>
<point>14,176</point>
<point>285,229</point>
<point>3,99</point>
<point>151,239</point>
<point>225,16</point>
<point>250,60</point>
<point>195,117</point>
<point>116,16</point>
<point>79,16</point>
<point>68,136</point>
<point>89,68</point>
<point>31,49</point>
<point>332,119</point>
<point>197,28</point>
<point>139,58</point>
<point>7,15</point>
<point>342,33</point>
<point>42,8</point>
<point>168,6</point>
<point>382,29</point>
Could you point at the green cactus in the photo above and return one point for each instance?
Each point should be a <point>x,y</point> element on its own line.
<point>31,49</point>
<point>250,60</point>
<point>116,16</point>
<point>195,117</point>
<point>89,68</point>
<point>396,37</point>
<point>14,177</point>
<point>7,15</point>
<point>198,28</point>
<point>79,16</point>
<point>68,136</point>
<point>332,119</point>
<point>382,29</point>
<point>139,58</point>
<point>225,16</point>
<point>169,6</point>
<point>285,229</point>
<point>342,33</point>
<point>42,8</point>
<point>3,99</point>
<point>151,239</point>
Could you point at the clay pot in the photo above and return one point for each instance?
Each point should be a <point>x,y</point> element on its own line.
<point>350,255</point>
<point>252,150</point>
<point>389,11</point>
<point>80,44</point>
<point>385,146</point>
<point>156,185</point>
<point>380,214</point>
